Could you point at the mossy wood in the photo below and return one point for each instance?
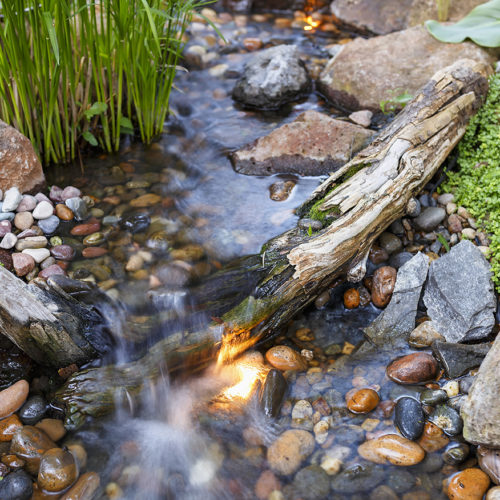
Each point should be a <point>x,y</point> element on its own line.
<point>359,201</point>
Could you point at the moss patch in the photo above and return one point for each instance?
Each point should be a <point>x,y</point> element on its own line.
<point>476,184</point>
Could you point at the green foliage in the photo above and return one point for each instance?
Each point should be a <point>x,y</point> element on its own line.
<point>477,182</point>
<point>443,7</point>
<point>481,25</point>
<point>73,70</point>
<point>395,102</point>
<point>443,242</point>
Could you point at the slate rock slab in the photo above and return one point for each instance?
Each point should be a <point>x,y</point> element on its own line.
<point>272,78</point>
<point>313,144</point>
<point>397,320</point>
<point>458,359</point>
<point>459,294</point>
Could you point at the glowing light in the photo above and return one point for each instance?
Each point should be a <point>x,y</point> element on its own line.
<point>248,377</point>
<point>311,23</point>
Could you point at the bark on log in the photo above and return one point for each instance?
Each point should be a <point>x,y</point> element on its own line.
<point>359,201</point>
<point>50,325</point>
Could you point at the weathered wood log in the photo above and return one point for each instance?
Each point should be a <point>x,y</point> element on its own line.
<point>50,325</point>
<point>357,203</point>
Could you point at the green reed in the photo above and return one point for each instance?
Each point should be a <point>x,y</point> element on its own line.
<point>76,71</point>
<point>443,7</point>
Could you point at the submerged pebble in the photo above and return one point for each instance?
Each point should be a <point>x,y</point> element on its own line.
<point>392,449</point>
<point>409,418</point>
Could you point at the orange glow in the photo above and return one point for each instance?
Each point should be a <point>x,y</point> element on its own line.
<point>311,23</point>
<point>248,377</point>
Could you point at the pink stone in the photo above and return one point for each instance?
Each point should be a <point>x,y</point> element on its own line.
<point>5,227</point>
<point>23,263</point>
<point>51,271</point>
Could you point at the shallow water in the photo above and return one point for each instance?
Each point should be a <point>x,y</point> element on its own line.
<point>178,440</point>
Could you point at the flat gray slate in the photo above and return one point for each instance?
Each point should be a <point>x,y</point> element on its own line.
<point>459,294</point>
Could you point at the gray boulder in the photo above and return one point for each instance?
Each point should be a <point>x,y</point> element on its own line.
<point>397,321</point>
<point>459,294</point>
<point>273,77</point>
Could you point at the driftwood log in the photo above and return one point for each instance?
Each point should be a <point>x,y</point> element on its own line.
<point>356,203</point>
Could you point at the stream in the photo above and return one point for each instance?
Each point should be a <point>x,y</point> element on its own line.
<point>186,438</point>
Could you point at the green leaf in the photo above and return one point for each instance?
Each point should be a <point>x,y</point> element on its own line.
<point>126,126</point>
<point>49,24</point>
<point>310,230</point>
<point>96,109</point>
<point>90,138</point>
<point>481,25</point>
<point>443,242</point>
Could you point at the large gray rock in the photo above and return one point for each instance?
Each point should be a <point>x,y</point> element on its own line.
<point>459,294</point>
<point>397,320</point>
<point>368,71</point>
<point>313,144</point>
<point>385,16</point>
<point>273,77</point>
<point>481,410</point>
<point>458,359</point>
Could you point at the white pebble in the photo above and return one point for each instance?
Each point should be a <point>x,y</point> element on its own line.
<point>8,241</point>
<point>43,210</point>
<point>469,233</point>
<point>38,254</point>
<point>330,465</point>
<point>11,200</point>
<point>451,388</point>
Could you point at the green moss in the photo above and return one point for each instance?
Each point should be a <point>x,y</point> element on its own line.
<point>316,213</point>
<point>476,184</point>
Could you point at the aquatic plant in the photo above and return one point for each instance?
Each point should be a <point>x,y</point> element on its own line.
<point>73,71</point>
<point>476,184</point>
<point>443,7</point>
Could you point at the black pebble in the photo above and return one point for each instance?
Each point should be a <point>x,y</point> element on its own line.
<point>33,410</point>
<point>409,418</point>
<point>16,486</point>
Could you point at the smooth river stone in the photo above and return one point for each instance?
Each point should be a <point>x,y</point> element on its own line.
<point>362,400</point>
<point>78,207</point>
<point>447,419</point>
<point>31,242</point>
<point>90,227</point>
<point>7,216</point>
<point>29,444</point>
<point>63,252</point>
<point>384,281</point>
<point>51,271</point>
<point>55,193</point>
<point>11,199</point>
<point>413,369</point>
<point>43,210</point>
<point>433,438</point>
<point>94,252</point>
<point>273,393</point>
<point>94,239</point>
<point>8,241</point>
<point>5,227</point>
<point>33,410</point>
<point>23,263</point>
<point>64,212</point>
<point>28,204</point>
<point>8,426</point>
<point>289,450</point>
<point>285,358</point>
<point>84,488</point>
<point>23,220</point>
<point>16,486</point>
<point>49,225</point>
<point>469,484</point>
<point>39,254</point>
<point>53,427</point>
<point>392,449</point>
<point>58,470</point>
<point>489,461</point>
<point>146,200</point>
<point>409,418</point>
<point>70,192</point>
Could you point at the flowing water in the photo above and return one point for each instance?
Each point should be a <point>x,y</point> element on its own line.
<point>183,438</point>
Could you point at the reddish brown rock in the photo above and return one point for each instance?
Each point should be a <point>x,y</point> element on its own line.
<point>266,484</point>
<point>469,484</point>
<point>378,255</point>
<point>19,164</point>
<point>94,252</point>
<point>23,263</point>
<point>6,259</point>
<point>313,144</point>
<point>384,280</point>
<point>13,397</point>
<point>433,438</point>
<point>288,451</point>
<point>252,44</point>
<point>64,212</point>
<point>53,427</point>
<point>58,470</point>
<point>84,488</point>
<point>414,368</point>
<point>351,298</point>
<point>8,426</point>
<point>63,252</point>
<point>284,358</point>
<point>91,226</point>
<point>362,400</point>
<point>146,200</point>
<point>51,271</point>
<point>393,449</point>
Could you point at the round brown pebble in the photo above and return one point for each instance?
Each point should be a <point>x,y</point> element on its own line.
<point>13,461</point>
<point>252,44</point>
<point>393,449</point>
<point>384,280</point>
<point>58,470</point>
<point>266,484</point>
<point>413,369</point>
<point>8,426</point>
<point>94,252</point>
<point>53,427</point>
<point>469,484</point>
<point>433,438</point>
<point>64,212</point>
<point>12,398</point>
<point>351,298</point>
<point>283,357</point>
<point>288,451</point>
<point>362,401</point>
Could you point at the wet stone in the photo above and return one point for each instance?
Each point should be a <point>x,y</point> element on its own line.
<point>413,369</point>
<point>90,227</point>
<point>94,252</point>
<point>38,254</point>
<point>55,193</point>
<point>469,484</point>
<point>54,428</point>
<point>51,271</point>
<point>357,478</point>
<point>430,218</point>
<point>433,397</point>
<point>64,212</point>
<point>378,255</point>
<point>285,358</point>
<point>458,359</point>
<point>390,242</point>
<point>384,280</point>
<point>84,489</point>
<point>493,493</point>
<point>456,454</point>
<point>287,452</point>
<point>273,393</point>
<point>489,461</point>
<point>16,486</point>
<point>400,259</point>
<point>136,223</point>
<point>58,470</point>
<point>31,242</point>
<point>409,418</point>
<point>400,480</point>
<point>78,207</point>
<point>362,401</point>
<point>393,449</point>
<point>424,335</point>
<point>94,239</point>
<point>351,298</point>
<point>49,225</point>
<point>49,261</point>
<point>8,426</point>
<point>281,190</point>
<point>33,410</point>
<point>146,200</point>
<point>447,419</point>
<point>63,252</point>
<point>311,483</point>
<point>70,192</point>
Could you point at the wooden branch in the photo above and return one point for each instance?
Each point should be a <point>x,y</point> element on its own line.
<point>360,200</point>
